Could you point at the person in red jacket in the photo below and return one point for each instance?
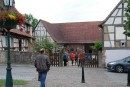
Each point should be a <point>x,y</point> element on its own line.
<point>72,57</point>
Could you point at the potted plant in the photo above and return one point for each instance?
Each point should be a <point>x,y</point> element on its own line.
<point>10,19</point>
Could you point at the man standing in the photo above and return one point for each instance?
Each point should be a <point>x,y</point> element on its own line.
<point>42,64</point>
<point>65,58</point>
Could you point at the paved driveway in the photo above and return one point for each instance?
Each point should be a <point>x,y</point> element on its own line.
<point>69,76</point>
<point>117,77</point>
<point>23,72</point>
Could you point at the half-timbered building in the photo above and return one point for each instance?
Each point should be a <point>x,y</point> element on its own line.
<point>21,35</point>
<point>73,36</point>
<point>115,43</point>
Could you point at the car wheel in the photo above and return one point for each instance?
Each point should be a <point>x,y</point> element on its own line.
<point>119,69</point>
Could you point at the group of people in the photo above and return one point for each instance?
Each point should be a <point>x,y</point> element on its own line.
<point>74,57</point>
<point>42,63</point>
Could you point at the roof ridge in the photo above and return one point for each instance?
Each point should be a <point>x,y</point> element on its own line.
<point>77,22</point>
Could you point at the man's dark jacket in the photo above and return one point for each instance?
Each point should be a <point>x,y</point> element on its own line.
<point>42,63</point>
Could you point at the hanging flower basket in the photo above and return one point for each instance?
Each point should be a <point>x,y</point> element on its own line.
<point>10,19</point>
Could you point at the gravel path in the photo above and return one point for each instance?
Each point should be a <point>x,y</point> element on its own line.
<point>69,76</point>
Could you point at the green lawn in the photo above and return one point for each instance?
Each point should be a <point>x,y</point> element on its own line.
<point>15,82</point>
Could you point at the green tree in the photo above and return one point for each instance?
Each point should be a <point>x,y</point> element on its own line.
<point>30,18</point>
<point>127,22</point>
<point>97,46</point>
<point>45,43</point>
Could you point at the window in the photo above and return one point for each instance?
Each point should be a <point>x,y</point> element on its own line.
<point>123,43</point>
<point>90,51</point>
<point>16,43</point>
<point>119,33</point>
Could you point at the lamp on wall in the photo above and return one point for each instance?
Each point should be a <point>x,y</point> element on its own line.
<point>9,80</point>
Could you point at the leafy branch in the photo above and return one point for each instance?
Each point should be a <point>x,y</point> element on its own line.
<point>45,43</point>
<point>97,46</point>
<point>127,22</point>
<point>30,18</point>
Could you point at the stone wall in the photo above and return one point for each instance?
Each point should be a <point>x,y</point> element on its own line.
<point>3,56</point>
<point>18,57</point>
<point>29,57</point>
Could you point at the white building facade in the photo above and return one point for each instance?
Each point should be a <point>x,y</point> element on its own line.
<point>41,32</point>
<point>116,44</point>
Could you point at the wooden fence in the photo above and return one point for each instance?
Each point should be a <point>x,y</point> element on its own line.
<point>56,59</point>
<point>90,60</point>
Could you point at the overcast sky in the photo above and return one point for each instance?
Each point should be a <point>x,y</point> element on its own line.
<point>58,11</point>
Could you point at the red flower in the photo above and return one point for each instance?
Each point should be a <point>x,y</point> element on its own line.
<point>14,18</point>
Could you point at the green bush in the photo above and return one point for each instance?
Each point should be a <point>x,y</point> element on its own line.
<point>97,46</point>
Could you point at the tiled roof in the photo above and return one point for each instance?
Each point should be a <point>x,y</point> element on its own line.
<point>22,33</point>
<point>77,32</point>
<point>54,31</point>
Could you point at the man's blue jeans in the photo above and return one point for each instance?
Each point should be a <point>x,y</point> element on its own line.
<point>42,78</point>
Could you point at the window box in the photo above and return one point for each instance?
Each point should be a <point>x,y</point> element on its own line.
<point>28,31</point>
<point>13,48</point>
<point>26,47</point>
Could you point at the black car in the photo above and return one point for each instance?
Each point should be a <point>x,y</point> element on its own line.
<point>119,65</point>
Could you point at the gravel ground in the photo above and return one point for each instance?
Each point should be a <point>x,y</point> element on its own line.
<point>69,76</point>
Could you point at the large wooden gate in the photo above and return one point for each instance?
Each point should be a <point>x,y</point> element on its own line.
<point>90,60</point>
<point>56,59</point>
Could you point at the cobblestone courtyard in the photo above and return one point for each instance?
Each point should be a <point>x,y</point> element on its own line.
<point>69,76</point>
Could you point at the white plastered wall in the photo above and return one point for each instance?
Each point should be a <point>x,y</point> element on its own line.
<point>112,55</point>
